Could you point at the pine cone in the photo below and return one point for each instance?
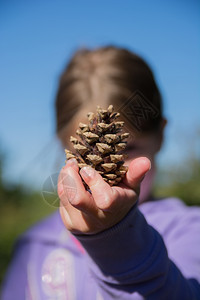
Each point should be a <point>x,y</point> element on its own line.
<point>100,145</point>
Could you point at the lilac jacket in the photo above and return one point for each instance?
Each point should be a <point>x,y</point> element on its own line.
<point>153,253</point>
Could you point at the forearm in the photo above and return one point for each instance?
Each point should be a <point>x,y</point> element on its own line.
<point>132,257</point>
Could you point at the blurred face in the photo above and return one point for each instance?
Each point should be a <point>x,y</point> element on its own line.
<point>145,145</point>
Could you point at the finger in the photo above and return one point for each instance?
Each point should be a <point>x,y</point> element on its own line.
<point>75,193</point>
<point>72,219</point>
<point>72,162</point>
<point>136,172</point>
<point>67,187</point>
<point>70,183</point>
<point>66,180</point>
<point>101,191</point>
<point>66,218</point>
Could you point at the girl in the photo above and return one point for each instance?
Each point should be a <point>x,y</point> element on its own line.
<point>116,242</point>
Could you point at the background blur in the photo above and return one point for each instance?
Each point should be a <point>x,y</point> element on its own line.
<point>37,40</point>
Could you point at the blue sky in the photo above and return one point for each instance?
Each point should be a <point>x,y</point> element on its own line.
<point>38,38</point>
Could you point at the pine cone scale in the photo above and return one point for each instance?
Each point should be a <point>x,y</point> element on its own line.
<point>100,145</point>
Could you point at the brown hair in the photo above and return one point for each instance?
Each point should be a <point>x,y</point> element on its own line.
<point>103,76</point>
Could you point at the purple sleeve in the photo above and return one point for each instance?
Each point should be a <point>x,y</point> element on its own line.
<point>131,258</point>
<point>15,282</point>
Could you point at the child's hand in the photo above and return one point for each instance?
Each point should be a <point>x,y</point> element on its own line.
<point>86,213</point>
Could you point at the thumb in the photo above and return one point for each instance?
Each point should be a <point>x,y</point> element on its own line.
<point>136,172</point>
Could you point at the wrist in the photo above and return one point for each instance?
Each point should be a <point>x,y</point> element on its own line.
<point>121,247</point>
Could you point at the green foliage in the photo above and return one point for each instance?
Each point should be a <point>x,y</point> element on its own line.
<point>183,183</point>
<point>18,211</point>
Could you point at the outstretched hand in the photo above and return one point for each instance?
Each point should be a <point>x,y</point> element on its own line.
<point>88,213</point>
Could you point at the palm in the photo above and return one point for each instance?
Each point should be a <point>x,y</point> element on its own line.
<point>105,206</point>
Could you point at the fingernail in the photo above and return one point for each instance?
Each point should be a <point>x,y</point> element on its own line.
<point>70,162</point>
<point>87,172</point>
